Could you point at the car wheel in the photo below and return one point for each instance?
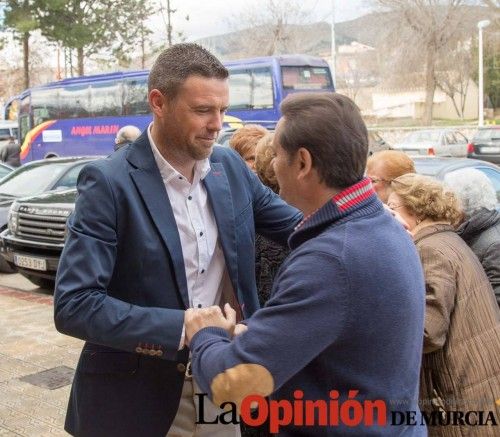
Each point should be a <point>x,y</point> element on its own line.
<point>41,282</point>
<point>5,267</point>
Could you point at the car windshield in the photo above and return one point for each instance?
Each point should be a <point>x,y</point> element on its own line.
<point>487,134</point>
<point>31,180</point>
<point>422,136</point>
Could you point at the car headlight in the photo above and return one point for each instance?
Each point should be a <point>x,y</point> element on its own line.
<point>13,218</point>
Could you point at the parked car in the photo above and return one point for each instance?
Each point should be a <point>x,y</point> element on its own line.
<point>35,178</point>
<point>4,170</point>
<point>439,167</point>
<point>376,142</point>
<point>485,144</point>
<point>7,129</point>
<point>434,142</point>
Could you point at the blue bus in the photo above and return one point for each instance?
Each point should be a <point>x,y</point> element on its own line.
<point>80,116</point>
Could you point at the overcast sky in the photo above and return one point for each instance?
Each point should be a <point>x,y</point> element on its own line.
<point>213,17</point>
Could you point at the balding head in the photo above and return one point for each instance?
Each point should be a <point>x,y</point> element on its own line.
<point>127,134</point>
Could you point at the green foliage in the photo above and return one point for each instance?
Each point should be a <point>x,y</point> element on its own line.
<point>20,16</point>
<point>91,25</point>
<point>491,71</point>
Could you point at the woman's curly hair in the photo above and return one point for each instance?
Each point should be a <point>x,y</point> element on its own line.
<point>264,155</point>
<point>427,198</point>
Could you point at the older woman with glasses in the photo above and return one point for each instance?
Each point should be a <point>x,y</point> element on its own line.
<point>385,166</point>
<point>461,362</point>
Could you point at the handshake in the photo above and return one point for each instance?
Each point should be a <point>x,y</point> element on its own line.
<point>195,319</point>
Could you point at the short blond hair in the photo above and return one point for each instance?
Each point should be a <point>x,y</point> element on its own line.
<point>427,198</point>
<point>395,163</point>
<point>245,139</point>
<point>264,154</point>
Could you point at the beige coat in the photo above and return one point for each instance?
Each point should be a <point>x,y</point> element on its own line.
<point>462,331</point>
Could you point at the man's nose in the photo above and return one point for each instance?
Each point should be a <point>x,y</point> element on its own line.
<point>216,122</point>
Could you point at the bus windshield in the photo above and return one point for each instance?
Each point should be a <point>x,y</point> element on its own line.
<point>306,78</point>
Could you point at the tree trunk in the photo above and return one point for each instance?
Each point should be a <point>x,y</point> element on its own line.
<point>26,59</point>
<point>79,55</point>
<point>430,86</point>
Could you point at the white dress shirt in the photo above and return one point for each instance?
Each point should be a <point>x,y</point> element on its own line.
<point>204,262</point>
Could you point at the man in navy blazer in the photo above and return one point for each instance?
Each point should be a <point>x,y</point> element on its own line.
<point>136,254</point>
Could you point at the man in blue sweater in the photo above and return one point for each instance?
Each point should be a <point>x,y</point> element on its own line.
<point>338,346</point>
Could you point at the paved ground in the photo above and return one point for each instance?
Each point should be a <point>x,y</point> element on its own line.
<point>30,403</point>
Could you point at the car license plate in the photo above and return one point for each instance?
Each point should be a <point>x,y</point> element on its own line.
<point>29,262</point>
<point>490,149</point>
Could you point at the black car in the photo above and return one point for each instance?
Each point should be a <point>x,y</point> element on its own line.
<point>439,167</point>
<point>35,236</point>
<point>485,144</point>
<point>35,178</point>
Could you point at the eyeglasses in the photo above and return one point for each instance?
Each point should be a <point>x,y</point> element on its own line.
<point>377,180</point>
<point>394,206</point>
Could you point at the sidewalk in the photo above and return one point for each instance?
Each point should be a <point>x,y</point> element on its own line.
<point>33,403</point>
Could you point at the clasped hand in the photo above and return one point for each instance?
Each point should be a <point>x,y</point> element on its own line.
<point>196,319</point>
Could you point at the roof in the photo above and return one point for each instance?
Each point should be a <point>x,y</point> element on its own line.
<point>434,166</point>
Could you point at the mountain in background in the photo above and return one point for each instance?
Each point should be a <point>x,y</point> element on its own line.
<point>314,39</point>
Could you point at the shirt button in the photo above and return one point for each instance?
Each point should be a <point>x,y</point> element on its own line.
<point>202,271</point>
<point>189,197</point>
<point>180,177</point>
<point>181,368</point>
<point>201,234</point>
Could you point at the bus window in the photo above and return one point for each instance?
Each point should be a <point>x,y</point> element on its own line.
<point>135,96</point>
<point>240,90</point>
<point>11,110</point>
<point>44,105</point>
<point>306,78</point>
<point>74,101</point>
<point>105,99</point>
<point>24,118</point>
<point>262,88</point>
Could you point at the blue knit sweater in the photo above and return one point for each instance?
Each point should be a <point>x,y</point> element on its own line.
<point>346,313</point>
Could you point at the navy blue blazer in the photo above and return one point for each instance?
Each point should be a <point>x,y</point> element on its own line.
<point>121,283</point>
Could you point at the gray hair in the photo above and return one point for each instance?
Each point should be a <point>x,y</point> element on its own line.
<point>473,188</point>
<point>127,134</point>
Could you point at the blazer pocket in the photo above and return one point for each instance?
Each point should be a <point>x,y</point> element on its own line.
<point>108,363</point>
<point>244,215</point>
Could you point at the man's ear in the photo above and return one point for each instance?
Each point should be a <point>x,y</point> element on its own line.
<point>156,101</point>
<point>305,163</point>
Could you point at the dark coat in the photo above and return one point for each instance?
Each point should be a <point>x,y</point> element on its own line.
<point>121,283</point>
<point>10,154</point>
<point>268,258</point>
<point>461,361</point>
<point>482,234</point>
<point>346,313</point>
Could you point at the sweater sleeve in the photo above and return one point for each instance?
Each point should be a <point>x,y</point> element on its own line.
<point>440,290</point>
<point>491,265</point>
<point>305,315</point>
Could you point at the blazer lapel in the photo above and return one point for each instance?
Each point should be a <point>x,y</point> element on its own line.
<point>147,179</point>
<point>219,194</point>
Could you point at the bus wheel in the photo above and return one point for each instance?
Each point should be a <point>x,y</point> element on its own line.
<point>51,155</point>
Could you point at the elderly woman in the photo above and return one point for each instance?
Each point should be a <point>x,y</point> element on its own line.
<point>268,254</point>
<point>245,140</point>
<point>385,166</point>
<point>480,228</point>
<point>461,362</point>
